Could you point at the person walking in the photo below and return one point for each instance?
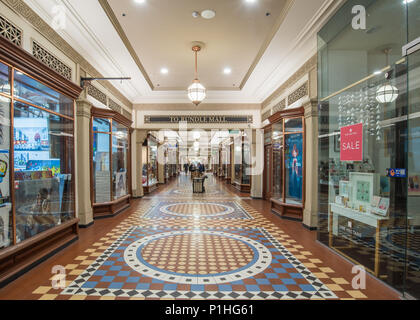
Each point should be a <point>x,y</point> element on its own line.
<point>186,166</point>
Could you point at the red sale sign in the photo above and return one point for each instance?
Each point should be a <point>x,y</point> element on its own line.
<point>351,148</point>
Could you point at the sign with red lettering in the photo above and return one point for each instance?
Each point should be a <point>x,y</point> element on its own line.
<point>351,148</point>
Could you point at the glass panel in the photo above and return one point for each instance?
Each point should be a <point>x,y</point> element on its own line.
<point>4,79</point>
<point>43,145</point>
<point>357,195</point>
<point>119,164</point>
<point>278,161</point>
<point>32,91</point>
<point>348,55</point>
<point>413,9</point>
<point>238,159</point>
<point>6,216</point>
<point>294,168</point>
<point>293,125</point>
<point>101,169</point>
<point>101,125</point>
<point>246,162</point>
<point>413,204</point>
<point>150,166</point>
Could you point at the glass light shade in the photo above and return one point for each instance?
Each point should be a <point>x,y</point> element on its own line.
<point>387,94</point>
<point>196,92</point>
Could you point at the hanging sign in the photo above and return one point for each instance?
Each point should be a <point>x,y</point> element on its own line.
<point>351,145</point>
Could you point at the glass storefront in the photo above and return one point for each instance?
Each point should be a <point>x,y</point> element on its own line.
<point>150,165</point>
<point>242,158</point>
<point>369,194</point>
<point>110,154</point>
<point>42,166</point>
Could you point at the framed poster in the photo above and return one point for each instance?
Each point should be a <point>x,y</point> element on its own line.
<point>364,186</point>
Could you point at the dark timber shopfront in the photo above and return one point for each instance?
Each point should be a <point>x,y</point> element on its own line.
<point>369,103</point>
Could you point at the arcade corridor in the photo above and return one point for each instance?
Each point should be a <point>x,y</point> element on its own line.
<point>173,244</point>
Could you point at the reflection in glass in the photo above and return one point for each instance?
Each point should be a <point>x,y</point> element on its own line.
<point>150,166</point>
<point>4,79</point>
<point>43,144</point>
<point>277,139</point>
<point>34,92</point>
<point>6,225</point>
<point>101,170</point>
<point>101,125</point>
<point>238,158</point>
<point>293,125</point>
<point>119,162</point>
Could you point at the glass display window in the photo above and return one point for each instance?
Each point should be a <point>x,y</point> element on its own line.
<point>242,163</point>
<point>33,92</point>
<point>110,159</point>
<point>369,140</point>
<point>6,214</point>
<point>43,167</point>
<point>288,148</point>
<point>150,164</point>
<point>37,168</point>
<point>40,158</point>
<point>4,79</point>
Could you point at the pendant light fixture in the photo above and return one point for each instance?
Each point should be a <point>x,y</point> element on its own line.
<point>387,93</point>
<point>196,91</point>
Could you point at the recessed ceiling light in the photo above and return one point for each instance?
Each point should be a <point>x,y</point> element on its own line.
<point>227,70</point>
<point>164,71</point>
<point>140,1</point>
<point>208,14</point>
<point>250,1</point>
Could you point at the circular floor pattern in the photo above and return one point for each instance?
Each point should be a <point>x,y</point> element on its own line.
<point>191,257</point>
<point>196,209</point>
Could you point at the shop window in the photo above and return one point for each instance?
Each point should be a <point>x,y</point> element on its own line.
<point>150,165</point>
<point>368,141</point>
<point>33,92</point>
<point>4,79</point>
<point>6,217</point>
<point>110,154</point>
<point>101,167</point>
<point>43,149</point>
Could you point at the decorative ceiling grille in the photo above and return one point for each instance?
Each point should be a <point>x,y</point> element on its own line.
<point>298,94</point>
<point>51,61</point>
<point>114,106</point>
<point>266,115</point>
<point>279,106</point>
<point>97,94</point>
<point>10,31</point>
<point>127,114</point>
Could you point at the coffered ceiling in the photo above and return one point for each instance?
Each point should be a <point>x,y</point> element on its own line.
<point>262,43</point>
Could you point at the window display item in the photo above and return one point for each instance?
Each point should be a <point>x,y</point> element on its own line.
<point>383,207</point>
<point>364,187</point>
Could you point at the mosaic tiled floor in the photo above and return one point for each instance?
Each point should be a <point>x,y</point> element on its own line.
<point>173,248</point>
<point>197,210</point>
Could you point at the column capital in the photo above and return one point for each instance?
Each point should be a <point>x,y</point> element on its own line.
<point>311,108</point>
<point>83,108</point>
<point>141,135</point>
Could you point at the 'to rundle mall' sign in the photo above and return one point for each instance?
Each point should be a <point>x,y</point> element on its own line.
<point>199,119</point>
<point>351,145</point>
